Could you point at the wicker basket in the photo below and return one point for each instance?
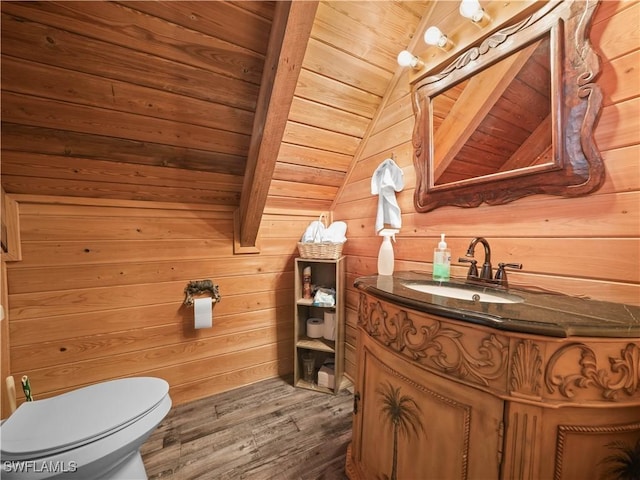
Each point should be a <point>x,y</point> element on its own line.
<point>324,250</point>
<point>320,250</point>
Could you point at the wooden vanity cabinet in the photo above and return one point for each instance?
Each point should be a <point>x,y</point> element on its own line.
<point>445,399</point>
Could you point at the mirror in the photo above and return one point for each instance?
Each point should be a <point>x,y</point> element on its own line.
<point>495,122</point>
<point>513,116</point>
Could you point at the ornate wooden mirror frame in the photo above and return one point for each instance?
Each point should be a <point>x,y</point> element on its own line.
<point>571,164</point>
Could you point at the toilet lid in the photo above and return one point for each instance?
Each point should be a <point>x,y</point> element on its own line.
<point>69,420</point>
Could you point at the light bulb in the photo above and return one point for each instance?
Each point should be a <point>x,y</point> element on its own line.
<point>472,10</point>
<point>408,59</point>
<point>433,36</point>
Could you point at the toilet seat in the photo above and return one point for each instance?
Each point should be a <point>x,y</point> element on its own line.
<point>68,421</point>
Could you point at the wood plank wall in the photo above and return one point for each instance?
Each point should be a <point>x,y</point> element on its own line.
<point>584,246</point>
<point>100,288</point>
<point>98,294</point>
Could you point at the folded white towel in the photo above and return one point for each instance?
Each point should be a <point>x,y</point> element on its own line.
<point>335,233</point>
<point>387,179</point>
<point>314,232</point>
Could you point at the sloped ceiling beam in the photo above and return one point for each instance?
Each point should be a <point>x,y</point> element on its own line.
<point>290,32</point>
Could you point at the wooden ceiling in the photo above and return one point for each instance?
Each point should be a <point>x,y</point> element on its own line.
<point>245,105</point>
<point>158,100</point>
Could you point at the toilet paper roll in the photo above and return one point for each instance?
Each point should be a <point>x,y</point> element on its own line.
<point>203,312</point>
<point>329,331</point>
<point>315,327</point>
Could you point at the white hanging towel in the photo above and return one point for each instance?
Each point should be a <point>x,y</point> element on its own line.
<point>386,180</point>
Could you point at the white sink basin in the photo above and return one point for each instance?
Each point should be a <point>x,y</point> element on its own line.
<point>470,294</point>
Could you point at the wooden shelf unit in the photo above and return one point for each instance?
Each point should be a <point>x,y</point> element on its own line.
<point>328,274</point>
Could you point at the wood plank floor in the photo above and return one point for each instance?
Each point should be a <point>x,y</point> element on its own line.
<point>269,430</point>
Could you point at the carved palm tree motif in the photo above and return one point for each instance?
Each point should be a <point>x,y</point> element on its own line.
<point>625,464</point>
<point>403,413</point>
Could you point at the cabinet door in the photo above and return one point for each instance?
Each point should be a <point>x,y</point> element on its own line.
<point>414,424</point>
<point>571,442</point>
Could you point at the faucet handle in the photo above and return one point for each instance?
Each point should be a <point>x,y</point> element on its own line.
<point>501,274</point>
<point>473,268</point>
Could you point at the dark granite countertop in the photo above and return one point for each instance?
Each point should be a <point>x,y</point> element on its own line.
<point>541,313</point>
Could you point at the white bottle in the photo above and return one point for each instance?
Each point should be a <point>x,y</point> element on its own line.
<point>385,256</point>
<point>441,261</point>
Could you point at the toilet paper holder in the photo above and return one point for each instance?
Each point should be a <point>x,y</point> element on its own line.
<point>201,287</point>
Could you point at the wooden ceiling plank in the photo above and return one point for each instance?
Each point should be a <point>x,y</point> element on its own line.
<point>343,67</point>
<point>118,191</point>
<point>333,93</point>
<point>29,164</point>
<point>27,110</point>
<point>65,50</point>
<point>327,117</point>
<point>300,192</point>
<point>371,31</point>
<point>24,138</point>
<point>399,73</point>
<point>29,78</point>
<point>215,19</point>
<point>111,23</point>
<point>307,174</point>
<point>290,32</point>
<point>300,155</point>
<point>308,136</point>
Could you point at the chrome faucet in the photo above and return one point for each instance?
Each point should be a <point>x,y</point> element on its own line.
<point>486,273</point>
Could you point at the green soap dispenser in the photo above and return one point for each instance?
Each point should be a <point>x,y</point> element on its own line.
<point>441,261</point>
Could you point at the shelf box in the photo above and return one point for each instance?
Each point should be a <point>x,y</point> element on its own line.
<point>328,274</point>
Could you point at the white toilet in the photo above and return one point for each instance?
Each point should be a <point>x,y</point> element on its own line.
<point>91,433</point>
